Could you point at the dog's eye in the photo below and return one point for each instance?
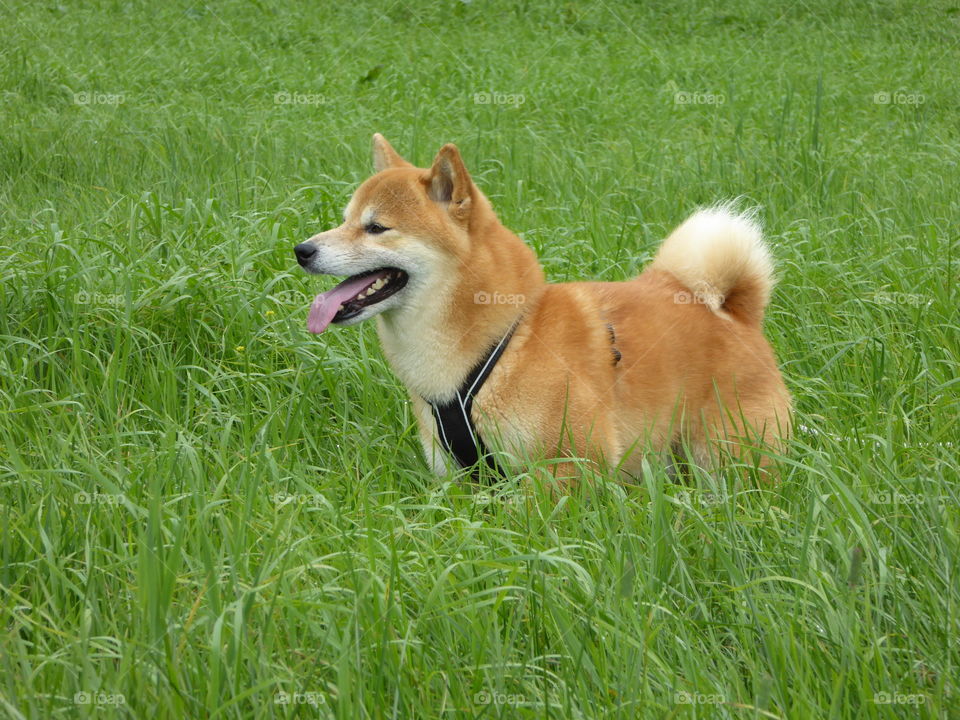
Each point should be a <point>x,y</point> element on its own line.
<point>375,229</point>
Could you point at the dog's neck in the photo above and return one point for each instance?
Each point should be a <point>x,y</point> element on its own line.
<point>435,341</point>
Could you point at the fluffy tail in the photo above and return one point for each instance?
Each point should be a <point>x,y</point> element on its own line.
<point>720,256</point>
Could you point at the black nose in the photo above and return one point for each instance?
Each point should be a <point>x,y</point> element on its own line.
<point>304,251</point>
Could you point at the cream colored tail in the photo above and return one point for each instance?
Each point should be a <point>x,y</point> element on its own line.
<point>720,256</point>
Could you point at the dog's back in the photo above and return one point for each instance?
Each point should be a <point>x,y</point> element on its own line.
<point>675,356</point>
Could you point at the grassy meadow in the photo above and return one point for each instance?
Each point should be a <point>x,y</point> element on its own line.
<point>206,512</point>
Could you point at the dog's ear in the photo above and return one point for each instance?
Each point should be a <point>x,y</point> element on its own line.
<point>384,156</point>
<point>449,182</point>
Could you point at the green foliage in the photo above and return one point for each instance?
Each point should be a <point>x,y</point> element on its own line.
<point>207,512</point>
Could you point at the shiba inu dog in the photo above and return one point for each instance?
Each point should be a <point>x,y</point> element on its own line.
<point>502,366</point>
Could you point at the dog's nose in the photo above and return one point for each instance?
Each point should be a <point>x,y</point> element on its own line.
<point>304,251</point>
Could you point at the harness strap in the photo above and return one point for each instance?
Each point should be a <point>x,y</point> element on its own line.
<point>455,427</point>
<point>613,344</point>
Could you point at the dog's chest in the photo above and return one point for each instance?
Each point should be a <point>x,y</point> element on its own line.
<point>424,360</point>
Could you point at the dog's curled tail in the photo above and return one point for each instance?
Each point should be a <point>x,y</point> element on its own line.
<point>719,255</point>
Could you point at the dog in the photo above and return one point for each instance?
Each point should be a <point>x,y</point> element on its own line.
<point>504,368</point>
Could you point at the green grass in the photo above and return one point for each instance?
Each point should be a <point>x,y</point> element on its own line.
<point>204,507</point>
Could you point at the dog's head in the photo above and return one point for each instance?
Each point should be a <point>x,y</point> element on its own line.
<point>404,231</point>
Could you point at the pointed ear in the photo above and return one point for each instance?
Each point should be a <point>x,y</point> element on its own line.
<point>449,182</point>
<point>384,156</point>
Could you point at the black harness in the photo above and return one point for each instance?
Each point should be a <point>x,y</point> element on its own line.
<point>455,427</point>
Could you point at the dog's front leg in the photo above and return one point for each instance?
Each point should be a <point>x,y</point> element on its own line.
<point>437,459</point>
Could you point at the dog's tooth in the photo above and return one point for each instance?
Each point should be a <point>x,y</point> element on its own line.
<point>379,283</point>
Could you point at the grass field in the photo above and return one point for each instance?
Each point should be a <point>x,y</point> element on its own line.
<point>207,512</point>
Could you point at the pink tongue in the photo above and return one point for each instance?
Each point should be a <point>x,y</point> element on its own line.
<point>326,305</point>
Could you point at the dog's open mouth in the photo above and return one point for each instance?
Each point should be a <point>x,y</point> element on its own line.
<point>349,298</point>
